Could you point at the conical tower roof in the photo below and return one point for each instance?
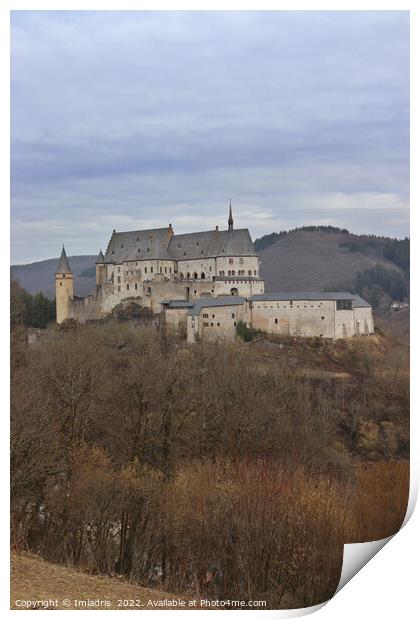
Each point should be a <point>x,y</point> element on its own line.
<point>100,258</point>
<point>63,265</point>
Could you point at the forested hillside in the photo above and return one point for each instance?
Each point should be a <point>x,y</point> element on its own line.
<point>329,258</point>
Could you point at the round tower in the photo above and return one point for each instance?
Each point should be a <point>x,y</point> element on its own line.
<point>63,288</point>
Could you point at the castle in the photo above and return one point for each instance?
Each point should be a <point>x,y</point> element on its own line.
<point>203,284</point>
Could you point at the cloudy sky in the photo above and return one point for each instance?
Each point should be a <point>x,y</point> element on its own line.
<point>133,120</point>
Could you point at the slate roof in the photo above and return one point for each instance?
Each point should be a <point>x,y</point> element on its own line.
<point>158,243</point>
<point>311,296</point>
<point>100,258</point>
<point>231,300</point>
<point>63,264</point>
<point>177,303</point>
<point>138,245</point>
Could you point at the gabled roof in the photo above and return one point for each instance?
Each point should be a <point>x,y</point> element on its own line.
<point>134,245</point>
<point>231,300</point>
<point>63,264</point>
<point>212,243</point>
<point>160,243</point>
<point>311,296</point>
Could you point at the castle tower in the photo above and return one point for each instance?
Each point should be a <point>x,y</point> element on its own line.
<point>100,270</point>
<point>63,288</point>
<point>230,220</point>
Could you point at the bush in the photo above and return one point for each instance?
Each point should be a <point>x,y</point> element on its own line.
<point>244,332</point>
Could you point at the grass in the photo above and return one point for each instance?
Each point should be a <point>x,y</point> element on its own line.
<point>47,586</point>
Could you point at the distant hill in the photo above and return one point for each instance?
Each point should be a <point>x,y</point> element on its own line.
<point>321,258</point>
<point>308,258</point>
<point>40,276</point>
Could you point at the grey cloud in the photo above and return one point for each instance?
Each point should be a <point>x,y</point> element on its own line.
<point>115,114</point>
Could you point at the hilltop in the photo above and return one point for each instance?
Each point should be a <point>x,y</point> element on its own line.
<point>327,258</point>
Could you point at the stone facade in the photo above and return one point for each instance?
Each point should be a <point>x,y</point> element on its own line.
<point>204,283</point>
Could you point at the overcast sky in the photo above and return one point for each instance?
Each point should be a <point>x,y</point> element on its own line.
<point>133,120</point>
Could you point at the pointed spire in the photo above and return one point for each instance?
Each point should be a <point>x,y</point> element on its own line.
<point>230,220</point>
<point>63,265</point>
<point>100,258</point>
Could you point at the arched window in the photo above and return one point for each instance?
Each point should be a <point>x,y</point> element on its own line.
<point>233,272</point>
<point>203,275</point>
<point>233,291</point>
<point>148,291</point>
<point>249,272</point>
<point>195,276</point>
<point>188,276</point>
<point>181,276</point>
<point>220,273</point>
<point>229,272</point>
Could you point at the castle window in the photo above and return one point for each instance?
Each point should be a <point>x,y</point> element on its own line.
<point>230,261</point>
<point>233,315</point>
<point>119,279</point>
<point>181,276</point>
<point>151,269</point>
<point>291,304</point>
<point>166,270</point>
<point>195,275</point>
<point>205,316</point>
<point>249,272</point>
<point>197,243</point>
<point>61,284</point>
<point>148,291</point>
<point>218,325</point>
<point>119,289</point>
<point>188,276</point>
<point>209,268</point>
<point>276,321</point>
<point>170,269</point>
<point>128,287</point>
<point>205,324</point>
<point>229,272</point>
<point>160,270</point>
<point>145,270</point>
<point>255,273</point>
<point>233,291</point>
<point>322,318</point>
<point>135,286</point>
<point>203,275</point>
<point>344,304</point>
<point>202,252</point>
<point>233,272</point>
<point>211,324</point>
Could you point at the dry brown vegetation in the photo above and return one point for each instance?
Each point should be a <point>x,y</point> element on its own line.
<point>137,455</point>
<point>42,583</point>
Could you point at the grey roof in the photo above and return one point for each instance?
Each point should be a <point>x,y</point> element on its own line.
<point>177,303</point>
<point>63,265</point>
<point>138,245</point>
<point>311,296</point>
<point>231,300</point>
<point>100,258</point>
<point>211,243</point>
<point>160,243</point>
